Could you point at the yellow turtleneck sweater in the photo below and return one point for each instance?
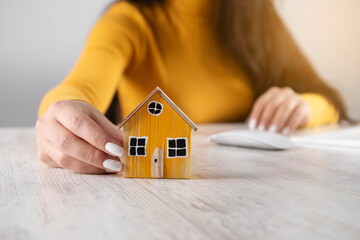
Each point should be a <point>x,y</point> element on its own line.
<point>131,51</point>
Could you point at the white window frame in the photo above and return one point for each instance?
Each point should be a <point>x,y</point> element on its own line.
<point>186,147</point>
<point>156,102</point>
<point>137,137</point>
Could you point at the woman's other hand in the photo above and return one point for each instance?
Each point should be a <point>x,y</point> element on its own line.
<point>279,110</point>
<point>76,136</point>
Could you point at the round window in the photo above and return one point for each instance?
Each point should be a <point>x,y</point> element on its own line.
<point>155,108</point>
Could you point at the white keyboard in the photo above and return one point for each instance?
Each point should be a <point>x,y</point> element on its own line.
<point>343,138</point>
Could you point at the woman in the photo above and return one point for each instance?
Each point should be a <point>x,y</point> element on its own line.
<point>218,60</point>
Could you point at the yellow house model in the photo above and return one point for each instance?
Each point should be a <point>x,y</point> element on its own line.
<point>157,139</point>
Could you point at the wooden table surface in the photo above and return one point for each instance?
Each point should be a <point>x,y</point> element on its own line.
<point>234,193</point>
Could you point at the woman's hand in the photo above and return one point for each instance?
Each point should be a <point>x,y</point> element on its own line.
<point>76,136</point>
<point>279,110</point>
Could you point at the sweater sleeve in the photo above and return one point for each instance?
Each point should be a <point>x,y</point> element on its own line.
<point>112,46</point>
<point>322,111</point>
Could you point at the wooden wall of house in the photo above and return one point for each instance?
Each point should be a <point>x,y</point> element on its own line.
<point>157,129</point>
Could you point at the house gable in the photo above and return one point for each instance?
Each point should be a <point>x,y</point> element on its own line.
<point>158,91</point>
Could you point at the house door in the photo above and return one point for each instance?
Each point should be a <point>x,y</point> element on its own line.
<point>157,163</point>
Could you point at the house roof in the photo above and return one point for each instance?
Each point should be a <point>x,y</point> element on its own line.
<point>168,100</point>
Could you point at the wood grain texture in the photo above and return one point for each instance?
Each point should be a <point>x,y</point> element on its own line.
<point>234,193</point>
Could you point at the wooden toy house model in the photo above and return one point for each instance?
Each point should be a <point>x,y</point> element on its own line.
<point>157,139</point>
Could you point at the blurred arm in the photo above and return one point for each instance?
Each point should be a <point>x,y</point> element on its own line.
<point>322,111</point>
<point>112,46</point>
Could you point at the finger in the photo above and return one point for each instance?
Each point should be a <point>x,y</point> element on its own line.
<point>80,124</point>
<point>297,118</point>
<point>105,124</point>
<point>42,155</point>
<point>270,109</point>
<point>258,107</point>
<point>71,163</point>
<point>68,143</point>
<point>282,114</point>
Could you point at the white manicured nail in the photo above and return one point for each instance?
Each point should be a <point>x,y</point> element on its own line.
<point>272,128</point>
<point>261,128</point>
<point>285,131</point>
<point>252,124</point>
<point>114,149</point>
<point>112,165</point>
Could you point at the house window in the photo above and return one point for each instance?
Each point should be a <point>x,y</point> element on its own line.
<point>155,108</point>
<point>137,146</point>
<point>177,148</point>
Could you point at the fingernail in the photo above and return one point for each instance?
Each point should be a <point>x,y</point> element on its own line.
<point>272,128</point>
<point>252,124</point>
<point>114,149</point>
<point>285,131</point>
<point>112,165</point>
<point>261,128</point>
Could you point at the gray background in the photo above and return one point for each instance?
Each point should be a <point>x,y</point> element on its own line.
<point>40,41</point>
